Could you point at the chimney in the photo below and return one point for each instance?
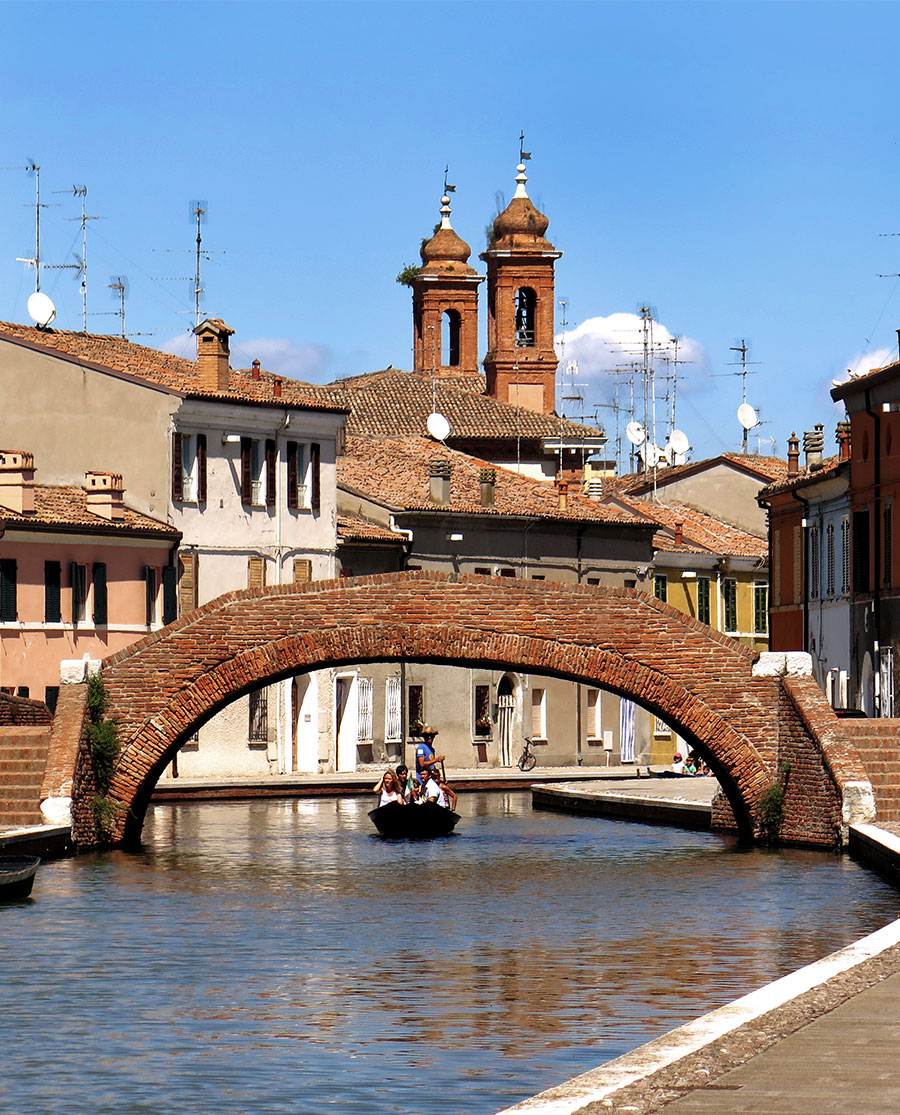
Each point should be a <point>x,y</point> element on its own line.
<point>488,478</point>
<point>843,439</point>
<point>679,534</point>
<point>276,387</point>
<point>17,481</point>
<point>563,487</point>
<point>105,495</point>
<point>793,454</point>
<point>212,354</point>
<point>813,444</point>
<point>439,473</point>
<point>255,370</point>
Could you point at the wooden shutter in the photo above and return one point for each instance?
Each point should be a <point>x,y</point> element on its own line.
<point>256,571</point>
<point>302,570</point>
<point>149,595</point>
<point>52,583</point>
<point>78,579</point>
<point>271,473</point>
<point>177,468</point>
<point>201,468</point>
<point>98,577</point>
<point>187,584</point>
<point>315,480</point>
<point>170,594</point>
<point>8,601</point>
<point>293,477</point>
<point>246,470</point>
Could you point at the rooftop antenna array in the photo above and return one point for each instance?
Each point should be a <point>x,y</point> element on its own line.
<point>118,284</point>
<point>81,265</point>
<point>198,214</point>
<point>746,415</point>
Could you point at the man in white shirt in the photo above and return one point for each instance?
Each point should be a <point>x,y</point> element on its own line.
<point>431,790</point>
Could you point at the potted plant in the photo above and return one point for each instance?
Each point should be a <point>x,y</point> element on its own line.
<point>415,727</point>
<point>483,726</point>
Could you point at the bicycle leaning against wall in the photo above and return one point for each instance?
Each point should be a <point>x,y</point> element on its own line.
<point>526,761</point>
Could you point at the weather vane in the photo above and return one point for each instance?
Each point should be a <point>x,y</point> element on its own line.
<point>448,189</point>
<point>523,154</point>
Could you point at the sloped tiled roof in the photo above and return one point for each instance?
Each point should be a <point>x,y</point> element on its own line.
<point>173,373</point>
<point>397,471</point>
<point>767,469</point>
<point>805,476</point>
<point>65,506</point>
<point>701,533</point>
<point>352,528</point>
<point>396,402</point>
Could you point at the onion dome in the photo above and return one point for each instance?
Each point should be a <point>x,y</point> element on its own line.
<point>521,225</point>
<point>446,253</point>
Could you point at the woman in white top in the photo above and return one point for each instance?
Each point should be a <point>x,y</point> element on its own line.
<point>388,788</point>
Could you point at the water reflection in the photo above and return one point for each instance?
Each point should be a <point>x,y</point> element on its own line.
<point>277,956</point>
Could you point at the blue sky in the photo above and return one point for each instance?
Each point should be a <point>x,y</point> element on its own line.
<point>732,165</point>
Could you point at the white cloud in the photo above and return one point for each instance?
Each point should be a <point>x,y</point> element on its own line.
<point>602,344</point>
<point>310,362</point>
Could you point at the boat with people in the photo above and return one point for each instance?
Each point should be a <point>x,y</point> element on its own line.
<point>416,807</point>
<point>17,876</point>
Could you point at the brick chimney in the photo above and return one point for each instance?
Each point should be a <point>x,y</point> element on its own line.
<point>254,370</point>
<point>843,439</point>
<point>488,478</point>
<point>17,481</point>
<point>813,444</point>
<point>679,534</point>
<point>439,474</point>
<point>563,488</point>
<point>793,454</point>
<point>105,495</point>
<point>212,354</point>
<point>276,387</point>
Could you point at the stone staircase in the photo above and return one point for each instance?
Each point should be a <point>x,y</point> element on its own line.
<point>878,744</point>
<point>23,757</point>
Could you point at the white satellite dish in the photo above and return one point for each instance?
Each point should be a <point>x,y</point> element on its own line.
<point>438,426</point>
<point>40,309</point>
<point>746,415</point>
<point>634,431</point>
<point>678,442</point>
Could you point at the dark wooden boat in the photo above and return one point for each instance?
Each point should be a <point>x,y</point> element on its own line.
<point>414,822</point>
<point>17,876</point>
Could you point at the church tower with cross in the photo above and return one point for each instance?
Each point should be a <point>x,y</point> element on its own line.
<point>520,365</point>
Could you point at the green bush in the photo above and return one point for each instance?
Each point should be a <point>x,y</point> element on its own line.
<point>408,274</point>
<point>104,740</point>
<point>97,698</point>
<point>770,811</point>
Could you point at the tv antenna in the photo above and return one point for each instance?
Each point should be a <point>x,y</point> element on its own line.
<point>81,265</point>
<point>198,214</point>
<point>34,168</point>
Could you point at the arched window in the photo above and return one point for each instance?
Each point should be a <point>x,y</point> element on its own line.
<point>526,301</point>
<point>450,339</point>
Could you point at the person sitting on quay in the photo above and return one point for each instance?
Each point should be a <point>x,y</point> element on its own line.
<point>425,756</point>
<point>388,788</point>
<point>692,766</point>
<point>677,763</point>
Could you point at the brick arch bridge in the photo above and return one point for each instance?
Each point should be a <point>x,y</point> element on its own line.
<point>701,682</point>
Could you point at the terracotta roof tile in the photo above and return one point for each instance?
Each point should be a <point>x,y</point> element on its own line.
<point>701,533</point>
<point>768,469</point>
<point>351,528</point>
<point>66,506</point>
<point>830,467</point>
<point>397,471</point>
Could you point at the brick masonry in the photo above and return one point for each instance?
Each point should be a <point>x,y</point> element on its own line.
<point>698,680</point>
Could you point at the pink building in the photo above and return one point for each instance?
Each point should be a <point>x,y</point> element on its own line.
<point>81,574</point>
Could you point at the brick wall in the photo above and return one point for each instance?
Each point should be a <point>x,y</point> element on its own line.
<point>22,710</point>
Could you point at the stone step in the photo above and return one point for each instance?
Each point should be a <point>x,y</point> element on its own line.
<point>21,780</point>
<point>36,763</point>
<point>25,817</point>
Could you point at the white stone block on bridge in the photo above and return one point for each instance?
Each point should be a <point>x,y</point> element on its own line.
<point>785,664</point>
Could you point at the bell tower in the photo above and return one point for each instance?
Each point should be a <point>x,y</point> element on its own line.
<point>445,304</point>
<point>520,364</point>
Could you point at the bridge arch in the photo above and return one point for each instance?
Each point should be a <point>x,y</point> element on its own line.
<point>699,681</point>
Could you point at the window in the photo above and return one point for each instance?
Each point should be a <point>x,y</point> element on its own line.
<point>482,571</point>
<point>845,556</point>
<point>481,709</point>
<point>729,594</point>
<point>393,730</point>
<point>302,570</point>
<point>246,470</point>
<point>23,691</point>
<point>760,608</point>
<point>703,599</point>
<point>814,563</point>
<point>829,560</point>
<point>51,697</point>
<point>254,455</point>
<point>200,469</point>
<point>861,551</point>
<point>365,691</point>
<point>189,468</point>
<point>258,729</point>
<point>539,713</point>
<point>506,572</point>
<point>177,467</point>
<point>271,473</point>
<point>660,587</point>
<point>150,590</point>
<point>450,338</point>
<point>526,304</point>
<point>315,476</point>
<point>594,725</point>
<point>256,571</point>
<point>296,491</point>
<point>415,705</point>
<point>887,544</point>
<point>78,581</point>
<point>9,608</point>
<point>52,586</point>
<point>170,594</point>
<point>98,582</point>
<point>187,583</point>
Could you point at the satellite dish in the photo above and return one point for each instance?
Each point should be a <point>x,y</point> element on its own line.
<point>634,431</point>
<point>746,415</point>
<point>678,442</point>
<point>40,309</point>
<point>438,426</point>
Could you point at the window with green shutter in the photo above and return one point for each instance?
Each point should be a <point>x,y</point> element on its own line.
<point>761,608</point>
<point>98,579</point>
<point>8,592</point>
<point>729,592</point>
<point>52,583</point>
<point>660,588</point>
<point>703,599</point>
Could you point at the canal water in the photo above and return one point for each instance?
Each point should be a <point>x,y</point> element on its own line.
<point>276,956</point>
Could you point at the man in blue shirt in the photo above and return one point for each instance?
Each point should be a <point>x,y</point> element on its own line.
<point>425,756</point>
